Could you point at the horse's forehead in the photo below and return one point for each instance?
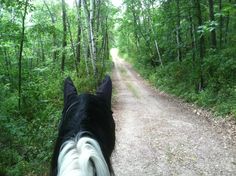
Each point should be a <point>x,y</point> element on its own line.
<point>85,105</point>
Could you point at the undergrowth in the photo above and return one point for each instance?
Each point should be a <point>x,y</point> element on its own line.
<point>27,136</point>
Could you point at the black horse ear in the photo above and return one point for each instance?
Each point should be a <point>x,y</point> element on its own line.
<point>69,89</point>
<point>105,90</point>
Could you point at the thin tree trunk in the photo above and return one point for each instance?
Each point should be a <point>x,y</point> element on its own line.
<point>221,24</point>
<point>154,35</point>
<point>64,43</point>
<point>158,52</point>
<point>107,44</point>
<point>54,53</point>
<point>201,44</point>
<point>7,63</point>
<point>42,49</point>
<point>85,49</point>
<point>212,18</point>
<point>92,36</point>
<point>146,27</point>
<point>138,28</point>
<point>98,5</point>
<point>39,52</point>
<point>73,48</point>
<point>135,30</point>
<point>78,46</point>
<point>178,33</point>
<point>20,54</point>
<point>104,51</point>
<point>227,26</point>
<point>192,36</point>
<point>178,45</point>
<point>86,57</point>
<point>89,14</point>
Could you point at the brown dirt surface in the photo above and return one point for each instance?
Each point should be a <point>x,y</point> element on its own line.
<point>160,135</point>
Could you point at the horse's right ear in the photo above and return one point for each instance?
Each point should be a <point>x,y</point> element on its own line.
<point>69,89</point>
<point>105,90</point>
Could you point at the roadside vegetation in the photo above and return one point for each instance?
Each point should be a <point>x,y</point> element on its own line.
<point>186,48</point>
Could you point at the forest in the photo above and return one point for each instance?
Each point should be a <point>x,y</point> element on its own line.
<point>41,43</point>
<point>183,47</point>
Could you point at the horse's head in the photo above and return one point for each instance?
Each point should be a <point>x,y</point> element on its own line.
<point>87,115</point>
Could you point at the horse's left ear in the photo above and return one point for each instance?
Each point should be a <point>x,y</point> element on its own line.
<point>69,89</point>
<point>105,90</point>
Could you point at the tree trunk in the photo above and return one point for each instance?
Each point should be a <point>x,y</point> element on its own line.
<point>135,30</point>
<point>64,43</point>
<point>146,27</point>
<point>221,24</point>
<point>227,26</point>
<point>178,33</point>
<point>107,45</point>
<point>78,46</point>
<point>192,36</point>
<point>73,48</point>
<point>201,44</point>
<point>98,6</point>
<point>20,54</point>
<point>89,13</point>
<point>154,35</point>
<point>104,51</point>
<point>54,53</point>
<point>7,65</point>
<point>212,18</point>
<point>85,50</point>
<point>42,48</point>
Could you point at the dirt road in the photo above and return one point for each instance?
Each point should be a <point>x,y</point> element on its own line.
<point>157,136</point>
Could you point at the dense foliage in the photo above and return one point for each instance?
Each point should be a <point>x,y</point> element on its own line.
<point>42,42</point>
<point>185,47</point>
